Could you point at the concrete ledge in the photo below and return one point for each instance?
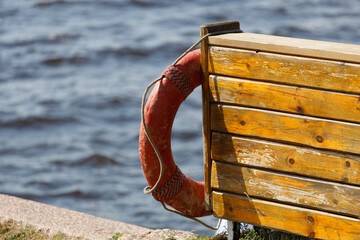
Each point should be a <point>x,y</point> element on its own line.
<point>53,220</point>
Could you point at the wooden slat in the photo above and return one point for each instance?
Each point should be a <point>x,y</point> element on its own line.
<point>286,45</point>
<point>286,127</point>
<point>205,29</point>
<point>285,98</point>
<point>206,118</point>
<point>306,222</point>
<point>280,157</point>
<point>328,196</point>
<point>299,71</point>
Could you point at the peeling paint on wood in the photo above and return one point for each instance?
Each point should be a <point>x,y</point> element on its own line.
<point>291,46</point>
<point>306,222</point>
<point>318,133</point>
<point>284,126</point>
<point>290,99</point>
<point>333,197</point>
<point>285,158</point>
<point>316,73</point>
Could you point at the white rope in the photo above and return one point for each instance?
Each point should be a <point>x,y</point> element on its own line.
<point>148,189</point>
<point>192,218</point>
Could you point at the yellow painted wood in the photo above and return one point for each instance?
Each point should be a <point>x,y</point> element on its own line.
<point>286,158</point>
<point>285,98</point>
<point>306,222</point>
<point>286,127</point>
<point>316,73</point>
<point>301,77</point>
<point>287,45</point>
<point>328,196</point>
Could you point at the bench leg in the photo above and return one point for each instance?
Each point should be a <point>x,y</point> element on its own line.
<point>234,230</point>
<point>230,228</point>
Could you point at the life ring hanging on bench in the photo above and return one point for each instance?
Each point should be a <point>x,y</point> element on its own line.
<point>175,189</point>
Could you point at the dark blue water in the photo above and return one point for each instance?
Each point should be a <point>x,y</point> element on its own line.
<point>71,78</point>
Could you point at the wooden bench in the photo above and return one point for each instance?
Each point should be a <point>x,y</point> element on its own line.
<point>281,120</point>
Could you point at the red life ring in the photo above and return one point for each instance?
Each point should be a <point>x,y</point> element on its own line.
<point>175,189</point>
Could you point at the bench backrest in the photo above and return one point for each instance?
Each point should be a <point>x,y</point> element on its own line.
<point>282,132</point>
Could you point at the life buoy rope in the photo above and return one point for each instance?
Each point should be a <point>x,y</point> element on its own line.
<point>175,189</point>
<point>169,184</point>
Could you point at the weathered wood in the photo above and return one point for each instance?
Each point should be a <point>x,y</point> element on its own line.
<point>286,158</point>
<point>291,99</point>
<point>206,118</point>
<point>205,29</point>
<point>306,222</point>
<point>308,131</point>
<point>220,26</point>
<point>292,46</point>
<point>283,125</point>
<point>306,192</point>
<point>316,73</point>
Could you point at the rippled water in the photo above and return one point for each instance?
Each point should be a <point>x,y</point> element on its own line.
<point>71,78</point>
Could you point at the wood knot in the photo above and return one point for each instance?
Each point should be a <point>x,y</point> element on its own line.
<point>345,180</point>
<point>230,209</point>
<point>300,110</point>
<point>347,163</point>
<point>312,235</point>
<point>242,123</point>
<point>310,219</point>
<point>291,161</point>
<point>319,139</point>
